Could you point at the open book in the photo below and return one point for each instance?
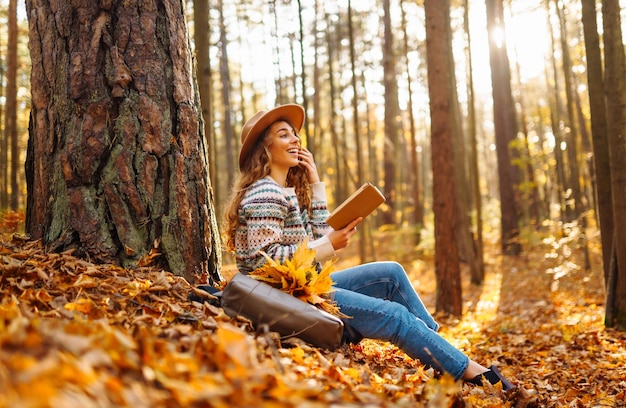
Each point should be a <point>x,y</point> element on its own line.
<point>360,204</point>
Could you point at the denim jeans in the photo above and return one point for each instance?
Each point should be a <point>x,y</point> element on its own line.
<point>384,306</point>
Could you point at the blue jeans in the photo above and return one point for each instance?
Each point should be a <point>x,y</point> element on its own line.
<point>384,306</point>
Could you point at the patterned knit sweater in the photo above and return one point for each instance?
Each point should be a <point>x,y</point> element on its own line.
<point>270,220</point>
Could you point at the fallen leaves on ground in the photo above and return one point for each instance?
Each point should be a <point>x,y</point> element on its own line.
<point>76,334</point>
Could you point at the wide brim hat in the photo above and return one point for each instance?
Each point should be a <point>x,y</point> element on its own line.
<point>254,127</point>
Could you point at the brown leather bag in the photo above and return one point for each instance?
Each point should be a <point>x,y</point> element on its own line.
<point>283,313</point>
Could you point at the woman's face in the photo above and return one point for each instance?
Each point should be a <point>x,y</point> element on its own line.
<point>284,145</point>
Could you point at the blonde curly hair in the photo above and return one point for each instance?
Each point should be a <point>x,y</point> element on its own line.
<point>256,167</point>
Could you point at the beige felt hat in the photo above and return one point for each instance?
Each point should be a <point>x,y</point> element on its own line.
<point>252,129</point>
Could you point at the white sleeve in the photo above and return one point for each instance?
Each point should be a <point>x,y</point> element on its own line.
<point>318,191</point>
<point>324,249</point>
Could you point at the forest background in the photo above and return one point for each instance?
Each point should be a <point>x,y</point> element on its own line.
<point>360,70</point>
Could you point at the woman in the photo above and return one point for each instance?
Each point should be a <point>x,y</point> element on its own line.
<point>279,202</point>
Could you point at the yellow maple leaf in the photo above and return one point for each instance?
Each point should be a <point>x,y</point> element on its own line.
<point>299,276</point>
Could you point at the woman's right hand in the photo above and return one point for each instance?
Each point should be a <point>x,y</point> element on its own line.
<point>341,238</point>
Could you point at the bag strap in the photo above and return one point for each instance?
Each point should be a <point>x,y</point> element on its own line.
<point>214,298</point>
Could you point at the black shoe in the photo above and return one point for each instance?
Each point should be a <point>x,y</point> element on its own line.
<point>494,376</point>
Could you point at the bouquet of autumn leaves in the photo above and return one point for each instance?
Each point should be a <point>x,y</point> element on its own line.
<point>299,277</point>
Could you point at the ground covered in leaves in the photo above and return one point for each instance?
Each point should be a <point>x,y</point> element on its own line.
<point>75,334</point>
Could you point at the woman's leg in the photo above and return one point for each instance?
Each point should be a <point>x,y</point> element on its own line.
<point>381,319</point>
<point>384,306</point>
<point>385,280</point>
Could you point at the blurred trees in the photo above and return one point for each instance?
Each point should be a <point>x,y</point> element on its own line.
<point>14,105</point>
<point>10,108</point>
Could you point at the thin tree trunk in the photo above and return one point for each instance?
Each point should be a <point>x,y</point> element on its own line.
<point>589,171</point>
<point>316,140</point>
<point>10,123</point>
<point>340,180</point>
<point>203,68</point>
<point>390,145</point>
<point>355,115</point>
<point>305,99</point>
<point>555,117</point>
<point>615,91</point>
<point>438,48</point>
<point>532,206</point>
<point>599,131</point>
<point>227,123</point>
<point>415,191</point>
<point>505,130</point>
<point>4,151</point>
<point>575,202</point>
<point>355,99</point>
<point>478,273</point>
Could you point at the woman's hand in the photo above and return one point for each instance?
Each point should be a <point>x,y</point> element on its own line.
<point>341,238</point>
<point>308,164</point>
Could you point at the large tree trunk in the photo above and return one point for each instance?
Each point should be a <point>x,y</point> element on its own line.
<point>116,163</point>
<point>438,47</point>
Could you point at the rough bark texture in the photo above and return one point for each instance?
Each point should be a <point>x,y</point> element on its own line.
<point>116,161</point>
<point>438,44</point>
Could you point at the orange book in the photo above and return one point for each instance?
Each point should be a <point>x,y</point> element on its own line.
<point>360,204</point>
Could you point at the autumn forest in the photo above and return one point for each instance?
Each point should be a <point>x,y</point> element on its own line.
<point>493,128</point>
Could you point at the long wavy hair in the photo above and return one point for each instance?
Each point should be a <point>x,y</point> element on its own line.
<point>256,167</point>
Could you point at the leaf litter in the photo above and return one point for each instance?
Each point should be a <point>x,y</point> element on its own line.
<point>73,333</point>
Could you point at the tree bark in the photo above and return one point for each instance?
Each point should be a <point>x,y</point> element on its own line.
<point>355,117</point>
<point>615,91</point>
<point>116,163</point>
<point>575,201</point>
<point>10,118</point>
<point>228,133</point>
<point>392,113</point>
<point>303,80</point>
<point>438,43</point>
<point>478,272</point>
<point>505,126</point>
<point>4,153</point>
<point>599,132</point>
<point>204,74</point>
<point>415,188</point>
